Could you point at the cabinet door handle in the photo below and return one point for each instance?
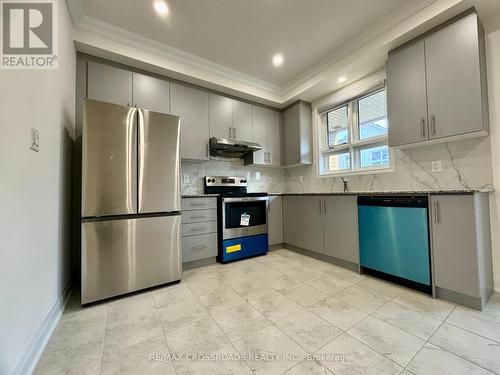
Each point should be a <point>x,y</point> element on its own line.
<point>433,124</point>
<point>234,133</point>
<point>201,247</point>
<point>197,204</point>
<point>230,132</point>
<point>436,211</point>
<point>422,127</point>
<point>324,206</point>
<point>298,154</point>
<point>269,157</point>
<point>320,208</point>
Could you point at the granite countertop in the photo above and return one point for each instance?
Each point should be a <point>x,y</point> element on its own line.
<point>392,192</point>
<point>395,192</point>
<point>199,195</point>
<point>388,192</point>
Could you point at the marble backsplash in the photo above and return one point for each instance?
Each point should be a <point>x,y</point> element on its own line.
<point>260,179</point>
<point>466,164</point>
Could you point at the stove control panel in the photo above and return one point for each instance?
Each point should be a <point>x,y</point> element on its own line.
<point>226,181</point>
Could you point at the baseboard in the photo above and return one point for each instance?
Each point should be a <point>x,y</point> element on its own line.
<point>34,351</point>
<point>276,246</point>
<point>326,258</point>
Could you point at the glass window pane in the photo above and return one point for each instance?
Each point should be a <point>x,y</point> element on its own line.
<point>374,156</point>
<point>339,161</point>
<point>337,127</point>
<point>372,116</point>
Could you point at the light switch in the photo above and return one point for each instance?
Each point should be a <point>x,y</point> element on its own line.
<point>436,166</point>
<point>185,178</point>
<point>34,139</point>
<point>257,176</point>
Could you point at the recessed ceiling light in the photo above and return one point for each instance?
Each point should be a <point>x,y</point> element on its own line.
<point>278,59</point>
<point>161,7</point>
<point>341,79</point>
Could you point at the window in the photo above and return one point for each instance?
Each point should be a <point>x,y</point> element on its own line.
<point>356,136</point>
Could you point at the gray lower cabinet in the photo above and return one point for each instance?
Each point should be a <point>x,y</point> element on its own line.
<point>297,134</point>
<point>340,227</point>
<point>199,247</point>
<point>109,84</point>
<point>275,220</point>
<point>192,106</point>
<point>151,93</point>
<point>461,248</point>
<point>199,229</point>
<point>303,222</point>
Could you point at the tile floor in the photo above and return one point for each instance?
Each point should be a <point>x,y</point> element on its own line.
<point>283,313</point>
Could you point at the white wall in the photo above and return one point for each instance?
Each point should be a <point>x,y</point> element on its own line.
<point>493,64</point>
<point>35,201</point>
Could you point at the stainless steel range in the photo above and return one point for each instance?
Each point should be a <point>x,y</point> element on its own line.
<point>242,218</point>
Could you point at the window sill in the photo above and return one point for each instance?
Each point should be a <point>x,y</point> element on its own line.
<point>356,173</point>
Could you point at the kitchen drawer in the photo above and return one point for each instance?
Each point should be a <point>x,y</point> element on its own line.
<point>198,203</point>
<point>195,229</point>
<point>199,247</point>
<point>198,216</point>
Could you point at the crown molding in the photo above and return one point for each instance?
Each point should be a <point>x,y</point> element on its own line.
<point>369,48</point>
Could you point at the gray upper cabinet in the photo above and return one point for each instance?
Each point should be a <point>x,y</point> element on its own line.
<point>461,248</point>
<point>221,116</point>
<point>454,79</point>
<point>297,134</point>
<point>436,87</point>
<point>242,120</point>
<point>109,84</point>
<point>303,222</point>
<point>275,220</point>
<point>192,106</point>
<point>341,227</point>
<point>229,118</point>
<point>151,93</point>
<point>406,95</point>
<point>266,132</point>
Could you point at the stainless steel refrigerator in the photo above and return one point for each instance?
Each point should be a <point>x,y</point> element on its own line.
<point>130,200</point>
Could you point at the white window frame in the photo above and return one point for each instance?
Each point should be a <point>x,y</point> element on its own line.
<point>354,144</point>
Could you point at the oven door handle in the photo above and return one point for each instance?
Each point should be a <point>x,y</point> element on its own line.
<point>243,199</point>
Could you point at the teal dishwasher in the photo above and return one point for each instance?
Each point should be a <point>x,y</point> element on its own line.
<point>394,239</point>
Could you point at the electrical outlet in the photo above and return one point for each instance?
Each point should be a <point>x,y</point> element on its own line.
<point>436,166</point>
<point>270,180</point>
<point>34,139</point>
<point>301,179</point>
<point>185,178</point>
<point>257,176</point>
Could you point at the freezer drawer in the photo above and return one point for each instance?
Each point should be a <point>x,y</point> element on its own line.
<point>121,256</point>
<point>199,247</point>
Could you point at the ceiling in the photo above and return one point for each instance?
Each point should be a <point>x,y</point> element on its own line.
<point>228,45</point>
<point>244,34</point>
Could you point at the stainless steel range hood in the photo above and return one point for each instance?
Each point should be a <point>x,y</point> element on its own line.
<point>232,148</point>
